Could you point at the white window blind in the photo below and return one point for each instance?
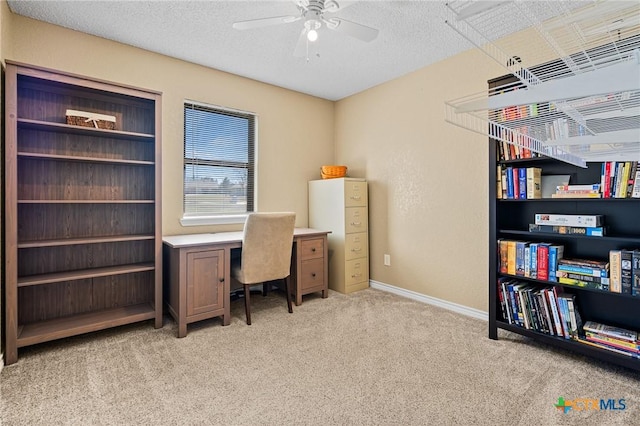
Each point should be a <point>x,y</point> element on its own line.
<point>219,161</point>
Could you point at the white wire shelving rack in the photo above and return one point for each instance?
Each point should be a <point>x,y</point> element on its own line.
<point>576,67</point>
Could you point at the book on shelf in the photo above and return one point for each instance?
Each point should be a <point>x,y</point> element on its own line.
<point>533,260</point>
<point>626,271</point>
<point>600,264</point>
<point>511,257</point>
<point>616,343</point>
<point>516,182</point>
<point>615,270</point>
<point>509,179</point>
<point>635,192</point>
<point>543,261</point>
<point>582,283</point>
<point>520,256</point>
<point>522,183</point>
<point>527,260</point>
<point>564,315</point>
<point>586,187</point>
<point>569,219</point>
<point>575,194</point>
<point>556,252</point>
<point>635,286</point>
<point>557,319</point>
<point>597,231</point>
<point>575,318</point>
<point>503,255</point>
<point>632,176</point>
<point>582,280</point>
<point>611,331</point>
<point>534,183</point>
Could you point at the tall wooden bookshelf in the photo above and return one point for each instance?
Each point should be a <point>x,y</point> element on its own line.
<point>510,219</point>
<point>82,221</point>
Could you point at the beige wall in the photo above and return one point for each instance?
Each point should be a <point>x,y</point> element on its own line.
<point>428,179</point>
<point>295,131</point>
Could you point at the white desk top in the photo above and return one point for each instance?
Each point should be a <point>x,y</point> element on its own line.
<point>190,240</point>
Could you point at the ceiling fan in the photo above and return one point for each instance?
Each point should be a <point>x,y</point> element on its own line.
<point>312,13</point>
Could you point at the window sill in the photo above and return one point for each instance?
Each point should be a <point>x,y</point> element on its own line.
<point>213,220</point>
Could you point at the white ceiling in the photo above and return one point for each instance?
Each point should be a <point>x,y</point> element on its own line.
<point>413,34</point>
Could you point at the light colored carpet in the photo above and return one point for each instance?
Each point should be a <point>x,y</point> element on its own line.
<point>367,358</point>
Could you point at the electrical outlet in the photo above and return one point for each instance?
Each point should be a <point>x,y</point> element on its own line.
<point>387,260</point>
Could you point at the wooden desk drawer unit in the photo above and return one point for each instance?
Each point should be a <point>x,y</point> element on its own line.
<point>310,267</point>
<point>341,205</point>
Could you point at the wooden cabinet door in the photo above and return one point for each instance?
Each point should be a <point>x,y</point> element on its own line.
<point>205,281</point>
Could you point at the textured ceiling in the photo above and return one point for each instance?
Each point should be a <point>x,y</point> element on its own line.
<point>413,34</point>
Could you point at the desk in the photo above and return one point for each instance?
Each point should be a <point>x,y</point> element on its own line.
<point>197,272</point>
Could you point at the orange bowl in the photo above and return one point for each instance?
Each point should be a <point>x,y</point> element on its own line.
<point>330,172</point>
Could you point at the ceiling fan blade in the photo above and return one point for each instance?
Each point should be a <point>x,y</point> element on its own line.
<point>301,46</point>
<point>352,29</point>
<point>265,22</point>
<point>333,6</point>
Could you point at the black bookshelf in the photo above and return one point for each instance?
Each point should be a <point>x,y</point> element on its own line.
<point>509,219</point>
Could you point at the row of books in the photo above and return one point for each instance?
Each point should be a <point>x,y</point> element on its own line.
<point>550,311</point>
<point>620,179</point>
<point>612,338</point>
<point>517,150</point>
<point>543,309</point>
<point>527,259</point>
<point>620,273</point>
<point>519,182</point>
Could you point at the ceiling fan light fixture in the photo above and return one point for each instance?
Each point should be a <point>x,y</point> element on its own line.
<point>312,35</point>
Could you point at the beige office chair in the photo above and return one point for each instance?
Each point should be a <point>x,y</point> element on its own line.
<point>266,253</point>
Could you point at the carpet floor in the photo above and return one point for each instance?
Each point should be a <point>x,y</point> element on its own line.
<point>368,358</point>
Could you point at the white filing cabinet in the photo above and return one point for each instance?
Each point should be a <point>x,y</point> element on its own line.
<point>341,206</point>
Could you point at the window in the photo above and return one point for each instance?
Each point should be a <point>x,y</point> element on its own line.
<point>219,163</point>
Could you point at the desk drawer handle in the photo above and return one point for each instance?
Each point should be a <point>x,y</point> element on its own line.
<point>221,279</point>
<point>313,249</point>
<point>313,274</point>
<point>356,249</point>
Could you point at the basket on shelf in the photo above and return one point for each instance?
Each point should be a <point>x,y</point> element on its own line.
<point>330,172</point>
<point>90,119</point>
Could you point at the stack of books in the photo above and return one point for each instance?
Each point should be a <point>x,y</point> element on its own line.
<point>584,273</point>
<point>577,191</point>
<point>588,225</point>
<point>615,339</point>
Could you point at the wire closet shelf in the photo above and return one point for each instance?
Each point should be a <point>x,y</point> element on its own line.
<point>576,95</point>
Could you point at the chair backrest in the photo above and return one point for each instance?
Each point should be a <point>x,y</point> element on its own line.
<point>266,246</point>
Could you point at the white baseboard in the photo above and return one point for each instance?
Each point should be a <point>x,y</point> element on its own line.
<point>461,309</point>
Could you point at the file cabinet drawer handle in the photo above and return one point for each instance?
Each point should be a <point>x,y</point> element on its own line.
<point>356,223</point>
<point>356,249</point>
<point>356,275</point>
